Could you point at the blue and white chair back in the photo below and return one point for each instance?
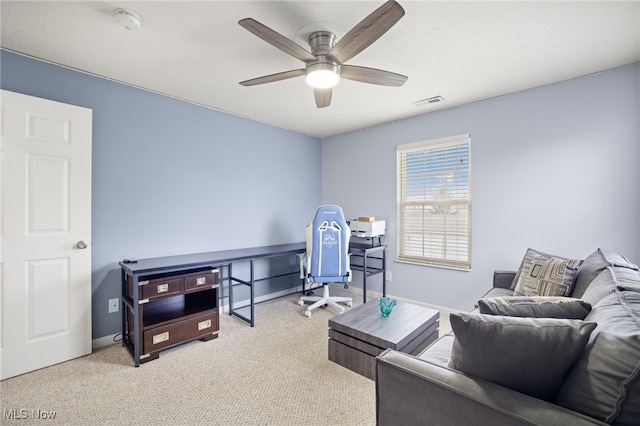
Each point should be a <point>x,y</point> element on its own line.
<point>329,247</point>
<point>327,257</point>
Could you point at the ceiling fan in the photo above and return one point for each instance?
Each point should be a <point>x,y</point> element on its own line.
<point>325,64</point>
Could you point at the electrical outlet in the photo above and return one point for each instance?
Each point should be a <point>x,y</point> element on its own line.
<point>388,277</point>
<point>114,305</point>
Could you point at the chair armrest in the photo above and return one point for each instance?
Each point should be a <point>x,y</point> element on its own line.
<point>411,391</point>
<point>503,279</point>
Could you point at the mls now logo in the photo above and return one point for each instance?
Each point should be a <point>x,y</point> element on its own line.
<point>23,414</point>
<point>15,413</point>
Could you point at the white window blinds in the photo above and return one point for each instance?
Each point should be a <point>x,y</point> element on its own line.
<point>434,202</point>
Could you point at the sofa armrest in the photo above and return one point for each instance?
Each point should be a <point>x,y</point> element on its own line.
<point>503,279</point>
<point>411,391</point>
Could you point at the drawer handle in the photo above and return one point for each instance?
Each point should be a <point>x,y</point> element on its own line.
<point>204,324</point>
<point>201,280</point>
<point>162,337</point>
<point>163,288</point>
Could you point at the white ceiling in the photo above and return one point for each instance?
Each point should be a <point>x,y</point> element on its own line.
<point>462,51</point>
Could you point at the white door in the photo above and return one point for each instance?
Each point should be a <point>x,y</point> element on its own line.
<point>45,227</point>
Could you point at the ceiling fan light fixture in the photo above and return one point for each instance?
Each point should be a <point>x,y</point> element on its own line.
<point>322,75</point>
<point>326,63</point>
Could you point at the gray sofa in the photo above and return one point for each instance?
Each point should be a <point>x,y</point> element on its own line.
<point>536,380</point>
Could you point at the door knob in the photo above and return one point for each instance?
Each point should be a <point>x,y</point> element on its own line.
<point>81,245</point>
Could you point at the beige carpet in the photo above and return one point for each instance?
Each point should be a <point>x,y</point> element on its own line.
<point>276,373</point>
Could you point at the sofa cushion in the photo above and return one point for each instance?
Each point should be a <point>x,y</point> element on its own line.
<point>495,292</point>
<point>498,292</point>
<point>529,355</point>
<point>535,307</point>
<point>541,274</point>
<point>601,286</point>
<point>594,264</point>
<point>439,351</point>
<point>627,279</point>
<point>605,381</point>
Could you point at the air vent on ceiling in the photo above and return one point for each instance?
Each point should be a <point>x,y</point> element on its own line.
<point>428,101</point>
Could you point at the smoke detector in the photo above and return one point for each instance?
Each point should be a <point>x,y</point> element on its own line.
<point>127,19</point>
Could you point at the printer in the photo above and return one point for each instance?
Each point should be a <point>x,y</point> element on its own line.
<point>367,227</point>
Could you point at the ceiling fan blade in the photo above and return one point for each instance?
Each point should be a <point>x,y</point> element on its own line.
<point>277,40</point>
<point>372,76</point>
<point>323,97</point>
<point>273,77</point>
<point>367,31</point>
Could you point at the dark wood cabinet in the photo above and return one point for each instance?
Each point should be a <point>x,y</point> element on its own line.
<point>165,310</point>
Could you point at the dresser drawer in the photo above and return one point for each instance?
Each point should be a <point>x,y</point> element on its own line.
<point>162,287</point>
<point>156,287</point>
<point>162,337</point>
<point>201,279</point>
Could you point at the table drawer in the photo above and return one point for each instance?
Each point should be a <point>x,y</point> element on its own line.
<point>157,287</point>
<point>201,280</point>
<point>162,337</point>
<point>162,287</point>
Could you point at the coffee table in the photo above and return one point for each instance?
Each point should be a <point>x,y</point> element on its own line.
<point>357,336</point>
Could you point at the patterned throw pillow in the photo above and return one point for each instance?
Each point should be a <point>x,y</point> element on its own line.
<point>544,275</point>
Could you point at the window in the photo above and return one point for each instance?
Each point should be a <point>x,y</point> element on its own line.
<point>434,202</point>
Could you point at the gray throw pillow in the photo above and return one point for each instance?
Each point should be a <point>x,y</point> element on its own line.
<point>605,381</point>
<point>627,279</point>
<point>535,307</point>
<point>528,355</point>
<point>601,286</point>
<point>543,275</point>
<point>594,265</point>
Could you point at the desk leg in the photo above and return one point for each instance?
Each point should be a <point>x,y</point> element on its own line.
<point>364,278</point>
<point>123,315</point>
<point>136,320</point>
<point>384,273</point>
<point>251,291</point>
<point>230,274</point>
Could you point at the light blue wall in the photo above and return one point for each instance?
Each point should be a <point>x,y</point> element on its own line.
<point>170,177</point>
<point>554,168</point>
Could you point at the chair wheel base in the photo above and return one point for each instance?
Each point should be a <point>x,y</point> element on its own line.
<point>324,302</point>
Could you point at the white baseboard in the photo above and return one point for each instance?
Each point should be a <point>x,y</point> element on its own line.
<point>442,309</point>
<point>109,340</point>
<point>224,308</point>
<point>101,342</point>
<point>377,294</point>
